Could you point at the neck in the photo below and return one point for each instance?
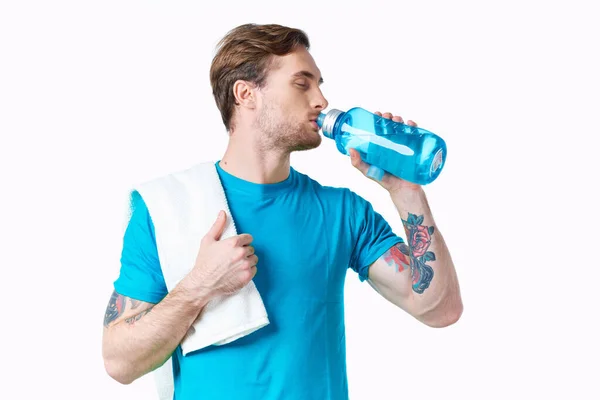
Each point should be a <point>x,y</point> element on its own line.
<point>252,162</point>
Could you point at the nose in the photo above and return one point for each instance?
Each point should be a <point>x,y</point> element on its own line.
<point>320,102</point>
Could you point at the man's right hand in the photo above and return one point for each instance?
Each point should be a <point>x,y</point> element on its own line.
<point>139,337</point>
<point>224,266</point>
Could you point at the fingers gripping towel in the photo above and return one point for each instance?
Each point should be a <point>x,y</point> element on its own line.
<point>183,207</point>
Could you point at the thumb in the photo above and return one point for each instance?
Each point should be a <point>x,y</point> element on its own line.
<point>357,161</point>
<point>216,230</point>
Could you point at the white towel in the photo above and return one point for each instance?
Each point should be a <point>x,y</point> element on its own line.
<point>183,206</point>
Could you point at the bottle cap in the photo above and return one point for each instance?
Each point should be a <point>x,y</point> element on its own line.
<point>320,119</point>
<point>328,121</point>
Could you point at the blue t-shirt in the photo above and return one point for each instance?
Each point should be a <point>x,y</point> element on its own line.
<point>306,236</point>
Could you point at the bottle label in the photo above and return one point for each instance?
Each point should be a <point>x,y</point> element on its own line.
<point>437,162</point>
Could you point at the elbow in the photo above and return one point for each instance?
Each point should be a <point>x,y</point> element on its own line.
<point>116,366</point>
<point>448,317</point>
<point>117,372</point>
<point>442,318</point>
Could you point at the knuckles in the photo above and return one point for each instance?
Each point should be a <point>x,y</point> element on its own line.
<point>239,253</point>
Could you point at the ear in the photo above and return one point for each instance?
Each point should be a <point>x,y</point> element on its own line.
<point>245,94</point>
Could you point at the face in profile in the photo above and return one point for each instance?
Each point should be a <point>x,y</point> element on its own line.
<point>290,102</point>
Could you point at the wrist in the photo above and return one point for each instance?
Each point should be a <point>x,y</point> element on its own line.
<point>195,291</point>
<point>407,193</point>
<point>410,201</point>
<point>396,185</point>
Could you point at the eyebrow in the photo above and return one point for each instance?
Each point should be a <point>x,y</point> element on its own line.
<point>308,75</point>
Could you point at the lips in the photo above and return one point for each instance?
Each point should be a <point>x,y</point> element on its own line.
<point>314,121</point>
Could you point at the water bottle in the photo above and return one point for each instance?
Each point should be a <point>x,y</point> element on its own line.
<point>407,152</point>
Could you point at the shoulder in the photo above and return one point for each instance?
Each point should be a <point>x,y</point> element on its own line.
<point>335,194</point>
<point>162,188</point>
<point>307,180</point>
<point>172,186</point>
<point>181,174</point>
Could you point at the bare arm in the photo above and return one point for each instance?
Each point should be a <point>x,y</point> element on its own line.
<point>139,337</point>
<point>419,276</point>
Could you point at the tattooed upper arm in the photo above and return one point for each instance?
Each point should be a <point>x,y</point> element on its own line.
<point>405,270</point>
<point>125,308</point>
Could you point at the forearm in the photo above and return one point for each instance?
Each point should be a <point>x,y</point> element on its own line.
<point>137,345</point>
<point>432,281</point>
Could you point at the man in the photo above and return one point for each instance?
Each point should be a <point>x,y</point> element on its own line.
<point>267,88</point>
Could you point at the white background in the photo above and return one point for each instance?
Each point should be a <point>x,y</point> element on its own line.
<point>97,96</point>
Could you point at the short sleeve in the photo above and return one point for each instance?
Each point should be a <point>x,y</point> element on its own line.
<point>373,236</point>
<point>140,275</point>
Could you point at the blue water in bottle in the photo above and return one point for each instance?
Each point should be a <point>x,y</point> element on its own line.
<point>410,153</point>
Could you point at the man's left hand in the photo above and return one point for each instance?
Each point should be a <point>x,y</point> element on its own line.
<point>389,182</point>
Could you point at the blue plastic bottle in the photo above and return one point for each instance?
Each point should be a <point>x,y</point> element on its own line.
<point>410,153</point>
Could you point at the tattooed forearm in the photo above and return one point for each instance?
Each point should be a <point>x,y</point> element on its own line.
<point>115,308</point>
<point>132,320</point>
<point>419,240</point>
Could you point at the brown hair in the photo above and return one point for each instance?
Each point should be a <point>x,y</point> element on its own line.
<point>246,53</point>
